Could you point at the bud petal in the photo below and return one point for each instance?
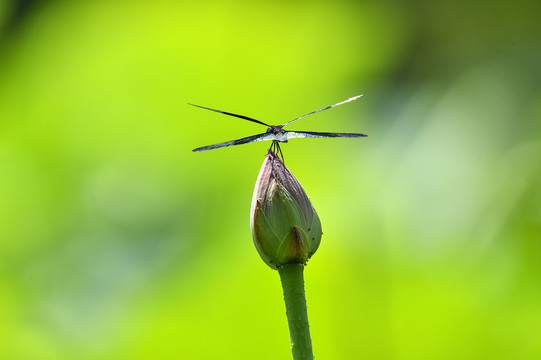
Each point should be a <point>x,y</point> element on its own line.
<point>285,226</point>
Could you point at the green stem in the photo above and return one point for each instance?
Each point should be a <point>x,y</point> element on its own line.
<point>297,317</point>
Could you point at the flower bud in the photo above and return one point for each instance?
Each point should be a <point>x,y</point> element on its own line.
<point>285,226</point>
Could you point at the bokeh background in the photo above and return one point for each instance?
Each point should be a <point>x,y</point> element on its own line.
<point>118,242</point>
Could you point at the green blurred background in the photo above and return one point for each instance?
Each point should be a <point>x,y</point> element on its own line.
<point>118,242</point>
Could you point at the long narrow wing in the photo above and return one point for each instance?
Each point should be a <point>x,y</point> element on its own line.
<point>313,134</point>
<point>326,108</point>
<point>231,114</point>
<point>246,140</point>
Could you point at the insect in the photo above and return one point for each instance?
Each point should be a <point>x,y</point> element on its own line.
<point>276,133</point>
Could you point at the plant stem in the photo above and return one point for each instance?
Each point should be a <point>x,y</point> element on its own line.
<point>297,316</point>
